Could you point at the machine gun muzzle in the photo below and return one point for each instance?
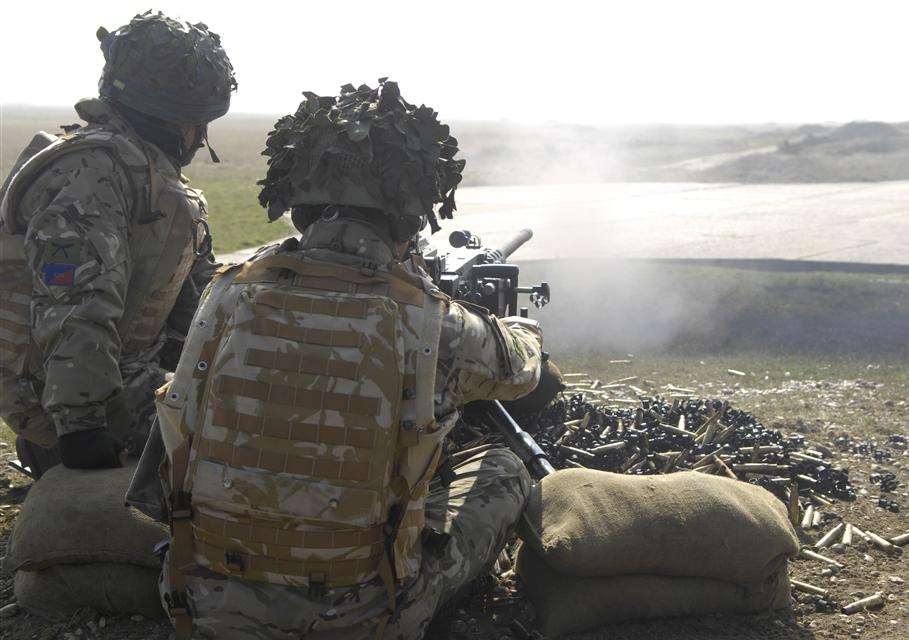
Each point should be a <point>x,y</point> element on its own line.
<point>511,245</point>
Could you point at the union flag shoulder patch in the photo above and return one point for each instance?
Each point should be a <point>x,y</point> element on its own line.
<point>59,275</point>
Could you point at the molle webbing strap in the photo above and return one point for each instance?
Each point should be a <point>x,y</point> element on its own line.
<point>5,345</point>
<point>362,438</point>
<point>12,302</point>
<point>154,182</point>
<point>251,550</point>
<point>401,286</point>
<point>320,337</point>
<point>319,306</point>
<point>410,381</point>
<point>274,551</point>
<point>180,555</point>
<point>302,363</point>
<point>296,397</point>
<point>338,285</point>
<point>148,326</point>
<point>13,327</point>
<point>287,429</point>
<point>337,573</point>
<point>15,276</point>
<point>260,532</point>
<point>281,462</point>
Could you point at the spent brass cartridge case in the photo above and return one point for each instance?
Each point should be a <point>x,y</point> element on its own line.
<point>808,517</point>
<point>808,553</point>
<point>882,544</point>
<point>847,535</point>
<point>804,587</point>
<point>876,600</point>
<point>830,536</point>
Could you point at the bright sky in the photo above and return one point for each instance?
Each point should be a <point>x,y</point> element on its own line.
<point>634,61</point>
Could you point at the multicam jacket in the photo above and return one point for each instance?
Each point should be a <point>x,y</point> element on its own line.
<point>306,415</point>
<point>100,264</point>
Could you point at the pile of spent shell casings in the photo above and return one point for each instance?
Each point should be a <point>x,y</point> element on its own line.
<point>619,427</point>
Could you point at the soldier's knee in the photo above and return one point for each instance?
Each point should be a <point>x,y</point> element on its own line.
<point>506,460</point>
<point>505,469</point>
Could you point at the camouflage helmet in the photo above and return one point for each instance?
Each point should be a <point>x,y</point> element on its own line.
<point>170,70</point>
<point>364,148</point>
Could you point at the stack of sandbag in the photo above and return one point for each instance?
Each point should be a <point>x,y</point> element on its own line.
<point>602,547</point>
<point>75,544</point>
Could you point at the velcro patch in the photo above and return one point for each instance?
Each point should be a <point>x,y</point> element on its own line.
<point>59,275</point>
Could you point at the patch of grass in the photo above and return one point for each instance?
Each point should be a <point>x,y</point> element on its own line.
<point>776,387</point>
<point>237,221</point>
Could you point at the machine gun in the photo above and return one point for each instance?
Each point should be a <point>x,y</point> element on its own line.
<point>482,276</point>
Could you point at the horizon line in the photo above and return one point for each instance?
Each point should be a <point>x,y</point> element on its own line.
<point>492,120</point>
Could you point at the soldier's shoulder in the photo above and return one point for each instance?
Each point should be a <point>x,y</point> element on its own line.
<point>269,250</point>
<point>232,270</point>
<point>85,152</point>
<point>84,163</point>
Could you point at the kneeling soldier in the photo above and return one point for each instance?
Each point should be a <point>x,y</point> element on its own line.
<point>304,424</point>
<point>104,250</point>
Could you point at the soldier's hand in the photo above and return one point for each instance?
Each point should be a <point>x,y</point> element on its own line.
<point>91,449</point>
<point>550,386</point>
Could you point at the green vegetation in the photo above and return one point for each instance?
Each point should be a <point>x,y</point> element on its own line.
<point>237,221</point>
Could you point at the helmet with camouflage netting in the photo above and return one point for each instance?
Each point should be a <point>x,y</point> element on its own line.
<point>174,71</point>
<point>366,148</point>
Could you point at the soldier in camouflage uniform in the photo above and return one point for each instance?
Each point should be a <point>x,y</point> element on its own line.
<point>110,246</point>
<point>304,423</point>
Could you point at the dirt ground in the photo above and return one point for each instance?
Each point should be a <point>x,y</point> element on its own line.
<point>856,409</point>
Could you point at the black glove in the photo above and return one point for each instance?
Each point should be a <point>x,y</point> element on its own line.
<point>548,389</point>
<point>90,449</point>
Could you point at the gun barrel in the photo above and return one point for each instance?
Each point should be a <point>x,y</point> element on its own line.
<point>514,242</point>
<point>520,442</point>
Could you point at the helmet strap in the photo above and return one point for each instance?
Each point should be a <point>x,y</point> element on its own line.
<point>211,150</point>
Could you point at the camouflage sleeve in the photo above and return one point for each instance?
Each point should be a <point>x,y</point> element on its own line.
<point>77,213</point>
<point>486,358</point>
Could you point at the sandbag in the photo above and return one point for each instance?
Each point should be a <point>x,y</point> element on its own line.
<point>583,522</point>
<point>62,589</point>
<point>77,517</point>
<point>568,604</point>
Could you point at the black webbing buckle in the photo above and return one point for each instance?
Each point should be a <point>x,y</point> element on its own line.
<point>181,506</point>
<point>434,541</point>
<point>160,549</point>
<point>176,603</point>
<point>445,472</point>
<point>234,561</point>
<point>318,588</point>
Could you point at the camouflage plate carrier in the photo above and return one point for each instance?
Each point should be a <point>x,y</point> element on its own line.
<point>300,429</point>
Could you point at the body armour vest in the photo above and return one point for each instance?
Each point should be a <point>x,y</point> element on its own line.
<point>162,236</point>
<point>299,426</point>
